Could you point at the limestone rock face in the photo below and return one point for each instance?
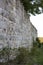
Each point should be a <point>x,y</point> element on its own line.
<point>16,29</point>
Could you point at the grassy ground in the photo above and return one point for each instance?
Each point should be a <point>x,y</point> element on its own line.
<point>26,58</point>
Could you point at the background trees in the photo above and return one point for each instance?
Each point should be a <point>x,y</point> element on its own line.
<point>33,6</point>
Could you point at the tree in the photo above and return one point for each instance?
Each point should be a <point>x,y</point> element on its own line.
<point>33,6</point>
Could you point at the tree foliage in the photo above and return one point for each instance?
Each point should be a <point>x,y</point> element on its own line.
<point>33,6</point>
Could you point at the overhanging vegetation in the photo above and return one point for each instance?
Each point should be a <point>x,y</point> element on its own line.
<point>33,6</point>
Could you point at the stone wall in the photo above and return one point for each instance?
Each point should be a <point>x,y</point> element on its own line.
<point>16,29</point>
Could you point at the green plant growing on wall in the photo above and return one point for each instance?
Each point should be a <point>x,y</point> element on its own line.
<point>5,53</point>
<point>24,57</point>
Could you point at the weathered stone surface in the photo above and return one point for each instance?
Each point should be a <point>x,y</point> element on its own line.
<point>15,26</point>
